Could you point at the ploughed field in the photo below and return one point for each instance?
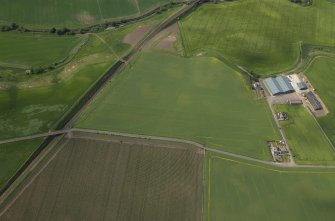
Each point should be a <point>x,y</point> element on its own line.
<point>261,35</point>
<point>239,190</point>
<point>199,99</point>
<point>72,13</point>
<point>102,179</point>
<point>305,139</point>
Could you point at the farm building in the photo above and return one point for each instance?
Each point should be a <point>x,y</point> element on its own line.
<point>279,85</point>
<point>295,101</point>
<point>302,86</point>
<point>313,101</point>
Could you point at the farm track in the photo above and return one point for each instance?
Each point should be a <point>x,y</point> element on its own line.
<point>168,139</point>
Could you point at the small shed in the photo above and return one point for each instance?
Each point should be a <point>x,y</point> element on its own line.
<point>295,102</point>
<point>302,86</point>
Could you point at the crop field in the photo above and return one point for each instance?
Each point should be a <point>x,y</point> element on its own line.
<point>261,35</point>
<point>198,99</point>
<point>74,13</point>
<point>322,76</point>
<point>107,180</point>
<point>306,140</point>
<point>240,190</point>
<point>13,156</point>
<point>31,50</point>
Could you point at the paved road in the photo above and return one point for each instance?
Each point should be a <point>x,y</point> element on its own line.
<point>285,165</point>
<point>195,144</point>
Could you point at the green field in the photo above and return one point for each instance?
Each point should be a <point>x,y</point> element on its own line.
<point>28,111</point>
<point>199,99</point>
<point>13,156</point>
<point>71,13</point>
<point>93,179</point>
<point>243,191</point>
<point>322,76</point>
<point>261,35</point>
<point>305,139</point>
<point>31,50</point>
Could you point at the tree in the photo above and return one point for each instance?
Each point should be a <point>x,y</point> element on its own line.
<point>53,30</point>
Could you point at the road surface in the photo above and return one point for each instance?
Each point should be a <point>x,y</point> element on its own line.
<point>195,144</point>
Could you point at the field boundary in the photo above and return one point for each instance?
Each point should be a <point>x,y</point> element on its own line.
<point>166,142</point>
<point>75,110</point>
<point>75,131</point>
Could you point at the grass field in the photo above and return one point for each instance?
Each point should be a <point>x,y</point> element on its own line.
<point>47,14</point>
<point>31,50</point>
<point>306,140</point>
<point>28,111</point>
<point>322,76</point>
<point>199,99</point>
<point>13,156</point>
<point>261,35</point>
<point>104,180</point>
<point>241,191</point>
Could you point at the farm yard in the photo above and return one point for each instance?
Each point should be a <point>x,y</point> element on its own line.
<point>199,99</point>
<point>103,179</point>
<point>260,35</point>
<point>321,73</point>
<point>74,13</point>
<point>305,139</point>
<point>239,190</point>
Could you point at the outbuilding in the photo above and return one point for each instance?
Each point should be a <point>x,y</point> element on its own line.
<point>314,101</point>
<point>302,86</point>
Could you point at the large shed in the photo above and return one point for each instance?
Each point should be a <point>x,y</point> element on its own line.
<point>279,85</point>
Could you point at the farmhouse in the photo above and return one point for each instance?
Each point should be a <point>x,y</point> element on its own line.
<point>279,85</point>
<point>315,103</point>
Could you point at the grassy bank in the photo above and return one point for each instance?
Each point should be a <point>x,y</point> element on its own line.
<point>13,156</point>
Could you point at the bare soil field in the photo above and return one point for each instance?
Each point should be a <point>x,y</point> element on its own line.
<point>164,39</point>
<point>135,36</point>
<point>112,179</point>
